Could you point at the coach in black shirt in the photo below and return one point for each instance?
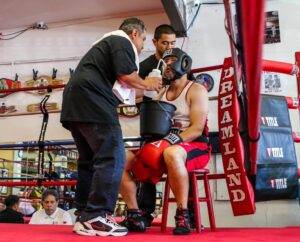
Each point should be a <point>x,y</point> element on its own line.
<point>11,214</point>
<point>89,111</point>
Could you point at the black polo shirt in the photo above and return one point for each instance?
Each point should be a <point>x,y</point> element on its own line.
<point>147,65</point>
<point>88,96</point>
<point>11,216</point>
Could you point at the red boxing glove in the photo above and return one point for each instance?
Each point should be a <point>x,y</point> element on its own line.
<point>140,171</point>
<point>152,153</point>
<point>143,173</point>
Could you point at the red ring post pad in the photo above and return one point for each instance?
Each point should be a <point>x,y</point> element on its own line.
<point>296,137</point>
<point>292,102</point>
<point>280,67</point>
<point>240,189</point>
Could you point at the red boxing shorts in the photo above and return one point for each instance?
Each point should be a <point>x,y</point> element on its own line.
<point>198,154</point>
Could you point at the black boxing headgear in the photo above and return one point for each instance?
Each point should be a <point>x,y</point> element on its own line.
<point>183,63</point>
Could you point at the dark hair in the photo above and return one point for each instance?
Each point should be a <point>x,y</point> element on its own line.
<point>11,200</point>
<point>50,192</point>
<point>132,23</point>
<point>163,29</point>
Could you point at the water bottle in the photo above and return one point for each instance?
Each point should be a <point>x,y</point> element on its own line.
<point>154,73</point>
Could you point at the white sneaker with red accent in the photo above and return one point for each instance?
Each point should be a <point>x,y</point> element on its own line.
<point>100,226</point>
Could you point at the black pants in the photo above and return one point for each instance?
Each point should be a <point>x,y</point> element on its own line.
<point>100,167</point>
<point>147,198</point>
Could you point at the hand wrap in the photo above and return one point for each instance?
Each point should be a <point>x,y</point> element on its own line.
<point>173,138</point>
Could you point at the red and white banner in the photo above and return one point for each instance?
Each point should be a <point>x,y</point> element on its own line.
<point>240,190</point>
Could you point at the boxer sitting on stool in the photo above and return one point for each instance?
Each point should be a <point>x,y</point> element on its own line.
<point>185,148</point>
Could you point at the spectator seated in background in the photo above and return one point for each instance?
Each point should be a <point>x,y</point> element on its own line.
<point>50,213</point>
<point>11,214</point>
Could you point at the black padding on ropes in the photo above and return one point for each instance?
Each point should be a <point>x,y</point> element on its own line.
<point>277,171</point>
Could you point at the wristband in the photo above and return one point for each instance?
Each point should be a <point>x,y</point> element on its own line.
<point>173,138</point>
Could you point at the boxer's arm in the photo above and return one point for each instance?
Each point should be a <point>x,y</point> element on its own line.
<point>133,80</point>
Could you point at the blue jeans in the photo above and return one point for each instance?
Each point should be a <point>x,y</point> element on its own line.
<point>100,167</point>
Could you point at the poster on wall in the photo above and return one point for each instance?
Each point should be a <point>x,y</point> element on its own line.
<point>272,83</point>
<point>272,31</point>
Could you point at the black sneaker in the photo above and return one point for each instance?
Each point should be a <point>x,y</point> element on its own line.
<point>133,221</point>
<point>147,218</point>
<point>99,226</point>
<point>182,222</point>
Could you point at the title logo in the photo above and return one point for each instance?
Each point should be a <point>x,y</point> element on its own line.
<point>275,152</point>
<point>269,121</point>
<point>278,184</point>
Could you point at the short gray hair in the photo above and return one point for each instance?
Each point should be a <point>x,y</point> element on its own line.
<point>132,23</point>
<point>49,192</point>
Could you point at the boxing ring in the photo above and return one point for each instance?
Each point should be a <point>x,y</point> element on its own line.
<point>224,90</point>
<point>240,78</point>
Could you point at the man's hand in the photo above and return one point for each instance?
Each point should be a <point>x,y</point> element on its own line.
<point>160,93</point>
<point>134,81</point>
<point>153,83</point>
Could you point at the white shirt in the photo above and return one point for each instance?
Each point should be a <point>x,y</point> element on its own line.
<point>60,216</point>
<point>181,119</point>
<point>26,207</point>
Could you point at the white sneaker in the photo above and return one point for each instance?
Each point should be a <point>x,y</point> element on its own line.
<point>100,226</point>
<point>82,229</point>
